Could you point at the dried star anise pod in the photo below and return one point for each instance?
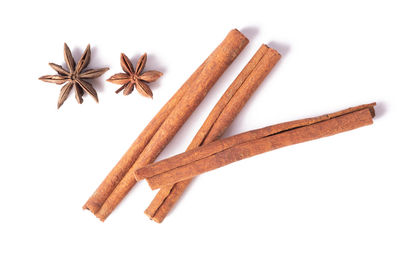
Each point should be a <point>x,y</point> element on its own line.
<point>132,77</point>
<point>74,77</point>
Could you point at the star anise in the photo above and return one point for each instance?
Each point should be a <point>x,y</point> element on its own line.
<point>74,77</point>
<point>132,77</point>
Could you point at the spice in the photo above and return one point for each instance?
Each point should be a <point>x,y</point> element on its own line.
<point>75,77</point>
<point>134,77</point>
<point>164,126</point>
<point>222,152</point>
<point>222,115</point>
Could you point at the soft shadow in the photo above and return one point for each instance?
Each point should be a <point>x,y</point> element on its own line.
<point>96,63</point>
<point>282,48</point>
<point>76,53</point>
<point>153,63</point>
<point>250,31</point>
<point>380,109</point>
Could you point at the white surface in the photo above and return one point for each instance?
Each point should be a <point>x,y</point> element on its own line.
<point>330,202</point>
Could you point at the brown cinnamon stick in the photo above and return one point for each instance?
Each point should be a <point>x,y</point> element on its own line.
<point>165,125</point>
<point>118,172</point>
<point>222,115</point>
<point>222,152</point>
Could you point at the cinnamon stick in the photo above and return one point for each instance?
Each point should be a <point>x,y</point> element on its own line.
<point>222,152</point>
<point>98,198</point>
<point>222,115</point>
<point>167,122</point>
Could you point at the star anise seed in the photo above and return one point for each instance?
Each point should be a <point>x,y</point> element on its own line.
<point>75,76</point>
<point>134,77</point>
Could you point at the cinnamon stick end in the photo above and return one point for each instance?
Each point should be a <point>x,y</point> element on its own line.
<point>100,217</point>
<point>154,185</point>
<point>156,220</point>
<point>93,208</point>
<point>372,109</point>
<point>237,31</point>
<point>154,217</point>
<point>151,217</point>
<point>272,50</point>
<point>139,175</point>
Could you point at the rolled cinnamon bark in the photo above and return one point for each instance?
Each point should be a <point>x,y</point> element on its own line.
<point>222,115</point>
<point>222,152</point>
<point>151,145</point>
<point>98,198</point>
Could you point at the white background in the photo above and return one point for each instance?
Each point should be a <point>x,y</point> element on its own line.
<point>330,202</point>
